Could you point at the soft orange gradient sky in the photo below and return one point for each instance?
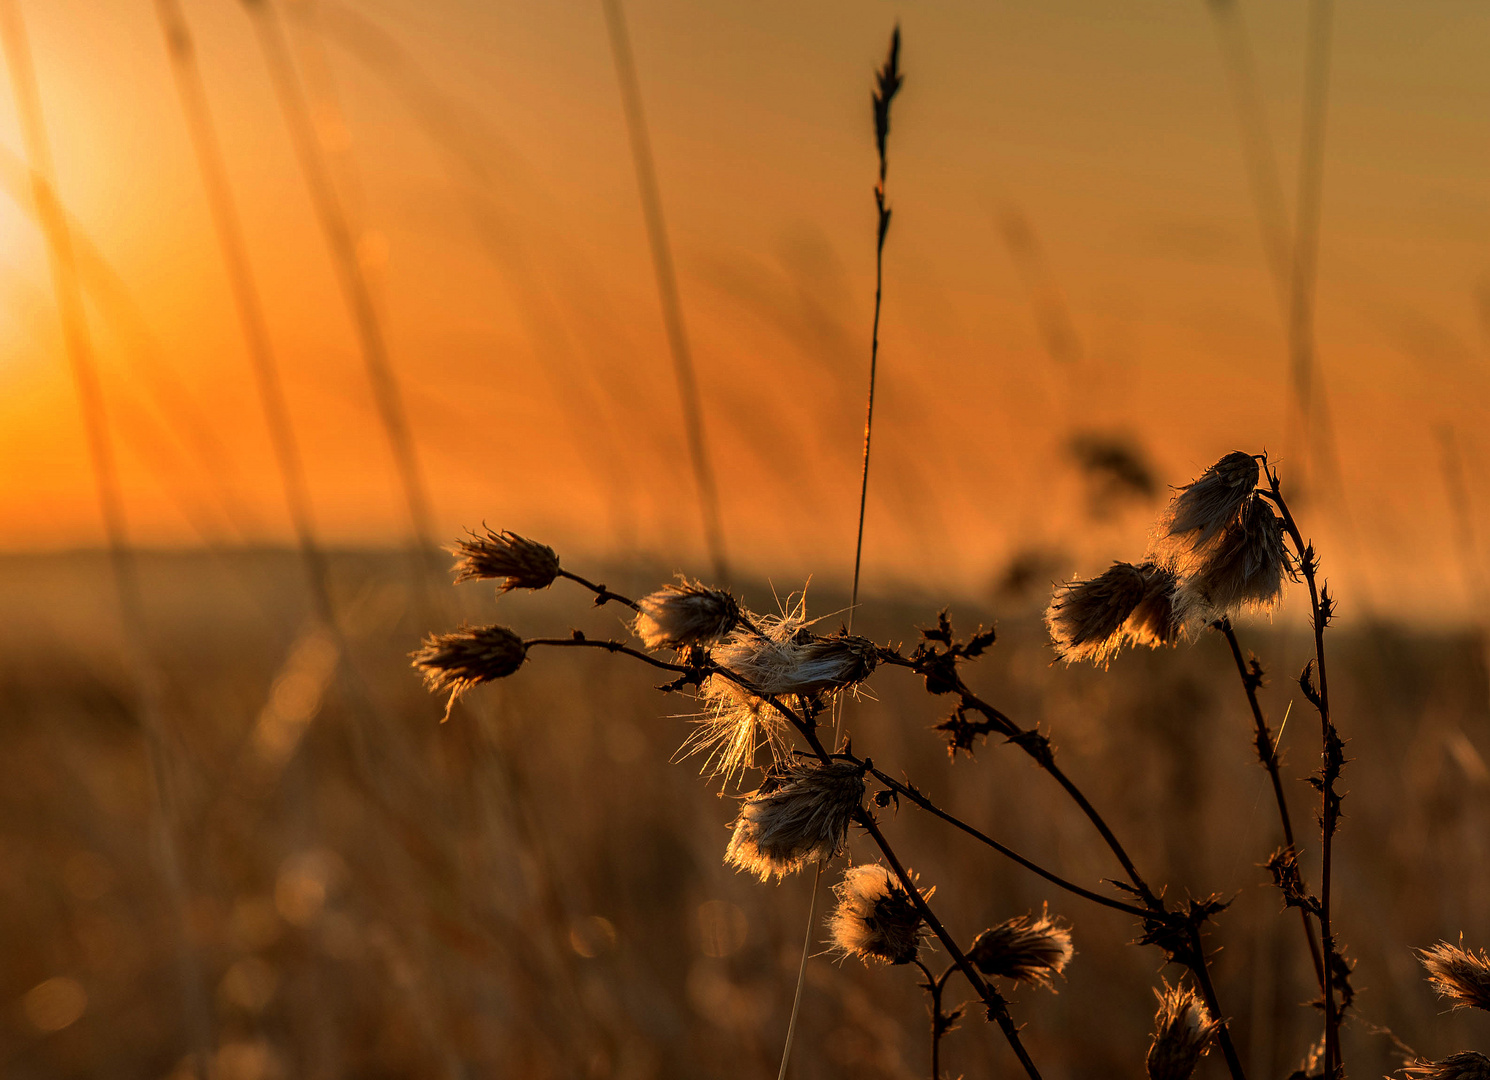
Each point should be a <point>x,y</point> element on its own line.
<point>482,154</point>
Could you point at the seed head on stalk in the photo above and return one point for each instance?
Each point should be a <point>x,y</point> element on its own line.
<point>1026,948</point>
<point>875,918</point>
<point>1467,1065</point>
<point>468,657</point>
<point>1125,604</point>
<point>799,816</point>
<point>1203,508</point>
<point>1183,1032</point>
<point>683,614</point>
<point>1243,566</point>
<point>514,561</point>
<point>1458,974</point>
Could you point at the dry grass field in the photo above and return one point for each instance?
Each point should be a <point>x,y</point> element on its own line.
<point>534,889</point>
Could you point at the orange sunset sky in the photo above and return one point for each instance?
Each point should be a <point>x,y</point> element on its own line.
<point>480,152</point>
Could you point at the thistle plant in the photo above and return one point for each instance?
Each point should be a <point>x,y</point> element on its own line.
<point>765,683</point>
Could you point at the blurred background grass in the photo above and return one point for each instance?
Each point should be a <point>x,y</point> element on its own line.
<point>1080,310</point>
<point>533,889</point>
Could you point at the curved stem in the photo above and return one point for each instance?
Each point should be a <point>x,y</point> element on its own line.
<point>930,807</point>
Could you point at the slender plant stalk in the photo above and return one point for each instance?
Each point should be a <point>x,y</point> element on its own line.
<point>888,85</point>
<point>667,284</point>
<point>1332,759</point>
<point>79,345</point>
<point>1304,272</point>
<point>1267,753</point>
<point>386,392</point>
<point>246,296</point>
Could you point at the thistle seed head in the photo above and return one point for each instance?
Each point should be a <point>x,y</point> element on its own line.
<point>1467,1065</point>
<point>515,561</point>
<point>683,614</point>
<point>876,919</point>
<point>1210,504</point>
<point>1156,620</point>
<point>733,728</point>
<point>1026,949</point>
<point>800,815</point>
<point>784,657</point>
<point>470,656</point>
<point>1126,604</point>
<point>1458,974</point>
<point>1243,567</point>
<point>1183,1031</point>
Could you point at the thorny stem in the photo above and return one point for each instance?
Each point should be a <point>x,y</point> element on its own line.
<point>941,1023</point>
<point>1038,747</point>
<point>1332,755</point>
<point>998,1008</point>
<point>1267,751</point>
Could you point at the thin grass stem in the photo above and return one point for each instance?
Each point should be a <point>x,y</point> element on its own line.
<point>667,285</point>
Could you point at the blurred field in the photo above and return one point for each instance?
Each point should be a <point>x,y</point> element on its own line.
<point>533,889</point>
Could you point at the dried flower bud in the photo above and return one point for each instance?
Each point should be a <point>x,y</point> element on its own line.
<point>1458,974</point>
<point>1086,618</point>
<point>876,919</point>
<point>1210,504</point>
<point>518,563</point>
<point>1183,1031</point>
<point>1125,604</point>
<point>468,657</point>
<point>1025,949</point>
<point>797,817</point>
<point>683,614</point>
<point>1467,1065</point>
<point>1244,566</point>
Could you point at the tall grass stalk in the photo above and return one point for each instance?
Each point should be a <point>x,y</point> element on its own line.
<point>230,238</point>
<point>667,285</point>
<point>79,346</point>
<point>387,394</point>
<point>887,84</point>
<point>1304,269</point>
<point>466,145</point>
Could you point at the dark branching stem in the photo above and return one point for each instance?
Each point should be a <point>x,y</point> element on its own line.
<point>1036,745</point>
<point>941,1022</point>
<point>1267,753</point>
<point>915,796</point>
<point>998,1008</point>
<point>1177,932</point>
<point>603,595</point>
<point>1322,607</point>
<point>701,668</point>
